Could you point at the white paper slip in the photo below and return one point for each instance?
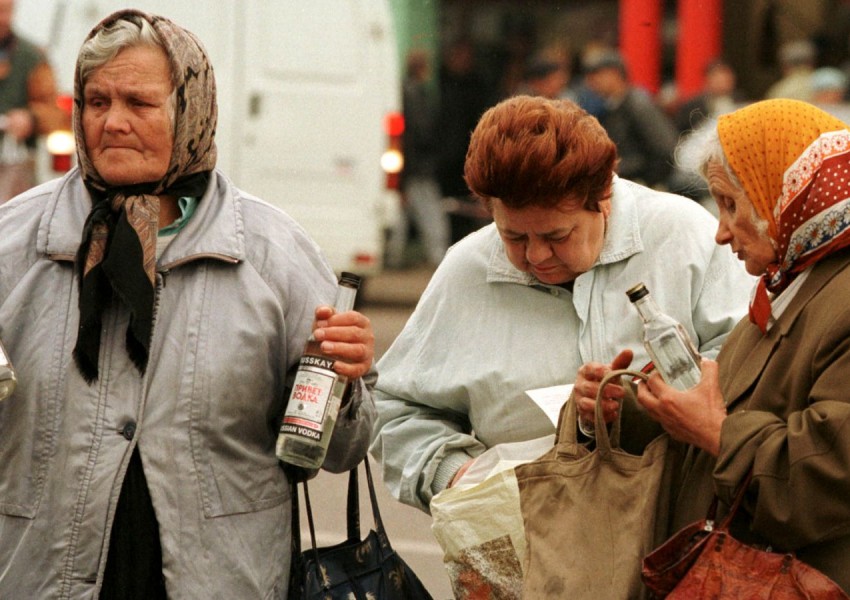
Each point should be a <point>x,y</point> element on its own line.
<point>551,399</point>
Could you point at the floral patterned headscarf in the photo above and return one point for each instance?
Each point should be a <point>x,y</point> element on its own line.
<point>117,254</point>
<point>793,161</point>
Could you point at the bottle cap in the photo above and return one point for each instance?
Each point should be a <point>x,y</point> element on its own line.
<point>637,292</point>
<point>350,279</point>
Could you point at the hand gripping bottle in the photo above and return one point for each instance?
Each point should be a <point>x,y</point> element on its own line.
<point>666,341</point>
<point>316,396</point>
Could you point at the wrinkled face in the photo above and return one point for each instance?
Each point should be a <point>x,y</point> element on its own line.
<point>127,118</point>
<point>556,245</point>
<point>739,225</point>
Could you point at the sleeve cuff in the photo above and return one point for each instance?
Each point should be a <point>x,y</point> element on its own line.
<point>446,470</point>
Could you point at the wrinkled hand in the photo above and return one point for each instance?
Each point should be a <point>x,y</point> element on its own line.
<point>587,386</point>
<point>694,416</point>
<point>347,337</point>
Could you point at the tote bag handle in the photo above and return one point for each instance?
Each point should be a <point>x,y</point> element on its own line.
<point>567,438</point>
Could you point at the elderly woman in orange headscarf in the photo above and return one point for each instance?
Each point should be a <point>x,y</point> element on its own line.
<point>777,401</point>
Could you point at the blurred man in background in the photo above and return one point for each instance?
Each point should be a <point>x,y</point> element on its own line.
<point>422,196</point>
<point>797,61</point>
<point>28,105</point>
<point>719,96</point>
<point>829,86</point>
<point>644,135</point>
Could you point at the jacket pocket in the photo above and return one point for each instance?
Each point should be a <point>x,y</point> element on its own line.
<point>36,336</point>
<point>234,392</point>
<point>28,433</point>
<point>232,440</point>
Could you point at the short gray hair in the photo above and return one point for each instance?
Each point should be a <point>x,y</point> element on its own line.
<point>699,148</point>
<point>109,41</point>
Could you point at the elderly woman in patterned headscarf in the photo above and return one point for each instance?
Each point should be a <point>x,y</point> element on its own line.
<point>777,401</point>
<point>155,315</point>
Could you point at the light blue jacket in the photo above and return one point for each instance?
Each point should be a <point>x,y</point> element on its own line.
<point>236,293</point>
<point>484,332</point>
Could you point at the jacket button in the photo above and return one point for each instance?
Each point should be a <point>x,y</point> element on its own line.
<point>129,430</point>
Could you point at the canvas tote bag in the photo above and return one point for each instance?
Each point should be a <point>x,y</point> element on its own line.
<point>591,515</point>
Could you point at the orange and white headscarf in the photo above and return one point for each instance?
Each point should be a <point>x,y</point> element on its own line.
<point>793,161</point>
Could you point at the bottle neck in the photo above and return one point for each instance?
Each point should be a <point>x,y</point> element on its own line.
<point>647,308</point>
<point>345,296</point>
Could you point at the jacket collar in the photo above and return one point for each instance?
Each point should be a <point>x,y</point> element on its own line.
<point>758,348</point>
<point>622,240</point>
<point>216,229</point>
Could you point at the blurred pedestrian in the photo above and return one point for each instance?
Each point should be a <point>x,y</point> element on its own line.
<point>544,77</point>
<point>644,134</point>
<point>28,106</point>
<point>422,199</point>
<point>829,86</point>
<point>155,315</point>
<point>464,96</point>
<point>719,95</point>
<point>523,302</point>
<point>797,61</point>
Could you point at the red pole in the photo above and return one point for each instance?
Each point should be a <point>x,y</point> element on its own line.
<point>699,42</point>
<point>640,41</point>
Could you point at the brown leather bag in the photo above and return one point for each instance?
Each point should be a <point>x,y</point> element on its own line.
<point>704,561</point>
<point>591,515</point>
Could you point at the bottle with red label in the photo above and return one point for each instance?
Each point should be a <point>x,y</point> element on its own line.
<point>316,396</point>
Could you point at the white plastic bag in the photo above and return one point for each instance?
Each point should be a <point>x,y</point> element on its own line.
<point>478,523</point>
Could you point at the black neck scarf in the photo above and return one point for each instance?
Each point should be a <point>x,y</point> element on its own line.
<point>117,255</point>
<point>111,262</point>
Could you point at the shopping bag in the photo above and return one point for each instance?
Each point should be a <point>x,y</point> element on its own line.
<point>356,569</point>
<point>591,514</point>
<point>478,524</point>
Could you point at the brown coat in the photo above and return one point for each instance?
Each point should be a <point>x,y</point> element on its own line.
<point>788,396</point>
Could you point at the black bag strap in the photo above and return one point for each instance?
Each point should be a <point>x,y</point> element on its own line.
<point>296,519</point>
<point>352,511</point>
<point>352,514</point>
<point>376,512</point>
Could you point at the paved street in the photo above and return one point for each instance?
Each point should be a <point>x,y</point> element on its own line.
<point>387,300</point>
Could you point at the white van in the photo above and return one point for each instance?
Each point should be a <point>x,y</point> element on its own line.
<point>306,90</point>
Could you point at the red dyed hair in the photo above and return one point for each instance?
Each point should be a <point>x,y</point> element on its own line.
<point>533,151</point>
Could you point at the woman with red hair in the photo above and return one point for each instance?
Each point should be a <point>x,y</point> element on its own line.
<point>523,302</point>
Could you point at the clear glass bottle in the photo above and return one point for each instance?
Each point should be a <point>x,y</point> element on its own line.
<point>316,396</point>
<point>666,341</point>
<point>8,379</point>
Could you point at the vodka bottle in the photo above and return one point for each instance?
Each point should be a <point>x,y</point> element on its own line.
<point>316,396</point>
<point>666,341</point>
<point>8,379</point>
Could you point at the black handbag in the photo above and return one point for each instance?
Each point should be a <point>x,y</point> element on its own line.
<point>358,569</point>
